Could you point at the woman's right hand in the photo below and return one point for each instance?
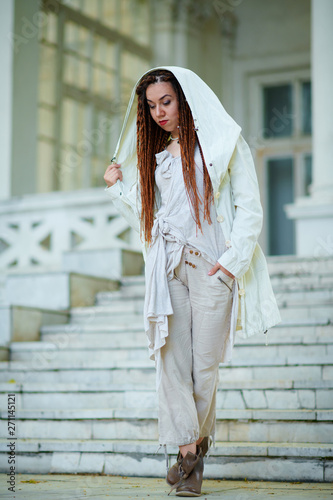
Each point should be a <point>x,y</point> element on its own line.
<point>112,174</point>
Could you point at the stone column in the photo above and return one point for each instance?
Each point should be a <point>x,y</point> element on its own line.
<point>6,84</point>
<point>163,33</point>
<point>173,24</point>
<point>27,20</point>
<point>322,98</point>
<point>314,214</point>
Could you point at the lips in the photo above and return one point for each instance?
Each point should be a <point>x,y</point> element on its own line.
<point>163,122</point>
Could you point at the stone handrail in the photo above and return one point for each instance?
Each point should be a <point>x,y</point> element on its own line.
<point>36,229</point>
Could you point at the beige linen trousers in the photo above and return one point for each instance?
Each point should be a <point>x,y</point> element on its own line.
<point>190,359</point>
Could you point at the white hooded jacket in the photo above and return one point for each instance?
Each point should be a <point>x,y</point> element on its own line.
<point>236,194</point>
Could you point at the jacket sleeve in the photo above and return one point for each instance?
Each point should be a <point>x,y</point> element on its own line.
<point>125,203</point>
<point>248,219</point>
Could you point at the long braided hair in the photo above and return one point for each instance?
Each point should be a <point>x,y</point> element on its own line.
<point>151,139</point>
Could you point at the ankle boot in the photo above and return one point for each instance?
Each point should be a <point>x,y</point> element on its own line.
<point>191,472</point>
<point>173,474</point>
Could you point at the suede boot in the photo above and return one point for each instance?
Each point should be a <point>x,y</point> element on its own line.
<point>173,474</point>
<point>191,472</point>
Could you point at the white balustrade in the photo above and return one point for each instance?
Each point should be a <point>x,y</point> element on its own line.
<point>36,229</point>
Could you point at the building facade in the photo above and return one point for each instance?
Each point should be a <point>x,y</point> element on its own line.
<point>68,68</point>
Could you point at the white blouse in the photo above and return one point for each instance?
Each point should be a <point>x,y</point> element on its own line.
<point>173,228</point>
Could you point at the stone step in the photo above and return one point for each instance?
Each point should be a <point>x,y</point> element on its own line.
<point>305,311</point>
<point>149,447</point>
<point>122,326</point>
<point>133,285</point>
<point>302,281</point>
<point>92,328</point>
<point>84,396</point>
<point>23,323</point>
<point>105,314</point>
<point>290,264</point>
<point>132,281</point>
<point>122,305</point>
<point>258,354</point>
<point>231,425</point>
<point>295,279</point>
<point>241,385</point>
<point>138,339</point>
<point>96,262</point>
<point>289,285</point>
<point>138,357</point>
<point>256,460</point>
<point>134,313</point>
<point>299,299</point>
<point>283,294</point>
<point>284,299</point>
<point>40,369</point>
<point>108,298</point>
<point>57,290</point>
<point>297,285</point>
<point>119,336</point>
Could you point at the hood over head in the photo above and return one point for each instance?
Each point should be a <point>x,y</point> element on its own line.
<point>216,130</point>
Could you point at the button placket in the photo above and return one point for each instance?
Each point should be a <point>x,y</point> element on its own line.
<point>193,253</point>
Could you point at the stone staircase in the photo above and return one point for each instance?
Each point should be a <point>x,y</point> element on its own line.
<point>86,401</point>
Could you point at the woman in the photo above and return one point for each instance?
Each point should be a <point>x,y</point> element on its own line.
<point>185,179</point>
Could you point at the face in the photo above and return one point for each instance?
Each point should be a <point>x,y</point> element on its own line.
<point>163,104</point>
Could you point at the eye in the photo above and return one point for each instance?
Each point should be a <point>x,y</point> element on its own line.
<point>166,103</point>
<point>151,107</point>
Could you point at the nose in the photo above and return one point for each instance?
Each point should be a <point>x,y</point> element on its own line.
<point>159,111</point>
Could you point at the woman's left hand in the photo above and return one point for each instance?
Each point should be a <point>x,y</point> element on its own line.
<point>218,266</point>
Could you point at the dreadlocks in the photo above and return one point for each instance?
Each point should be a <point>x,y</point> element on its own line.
<point>151,139</point>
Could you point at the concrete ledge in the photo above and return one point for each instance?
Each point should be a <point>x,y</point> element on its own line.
<point>105,263</point>
<point>20,323</point>
<point>55,290</point>
<point>4,353</point>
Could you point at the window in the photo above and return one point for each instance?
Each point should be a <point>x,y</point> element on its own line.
<point>307,179</point>
<point>287,110</point>
<point>286,150</point>
<point>91,54</point>
<point>278,118</point>
<point>306,108</point>
<point>280,188</point>
<point>279,110</point>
